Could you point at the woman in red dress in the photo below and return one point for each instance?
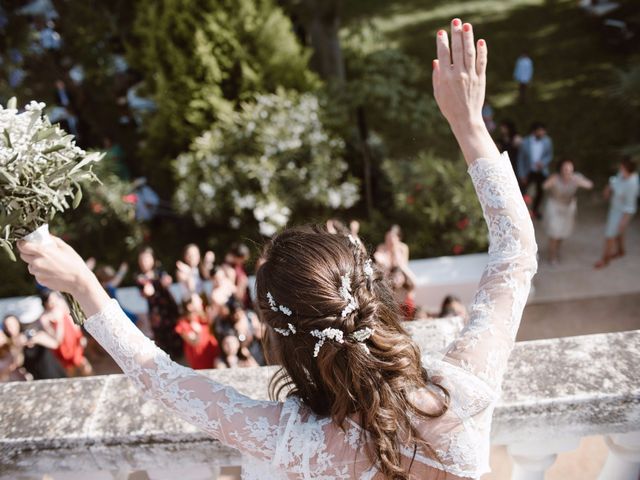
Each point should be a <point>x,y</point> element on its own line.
<point>57,321</point>
<point>200,346</point>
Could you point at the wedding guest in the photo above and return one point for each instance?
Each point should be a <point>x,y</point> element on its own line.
<point>11,358</point>
<point>622,193</point>
<point>148,201</point>
<point>509,141</point>
<point>111,280</point>
<point>534,158</point>
<point>234,319</point>
<point>354,228</point>
<point>336,227</point>
<point>37,348</point>
<point>56,320</point>
<point>236,259</point>
<point>200,345</point>
<point>188,272</point>
<point>452,306</point>
<point>393,252</point>
<point>49,38</point>
<point>560,210</point>
<point>487,117</point>
<point>403,284</point>
<point>65,100</point>
<point>234,354</point>
<point>154,286</point>
<point>523,74</point>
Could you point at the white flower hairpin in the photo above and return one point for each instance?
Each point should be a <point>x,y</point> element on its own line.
<point>286,310</point>
<point>361,336</point>
<point>285,332</point>
<point>272,303</point>
<point>368,269</point>
<point>337,335</point>
<point>345,293</point>
<point>322,335</point>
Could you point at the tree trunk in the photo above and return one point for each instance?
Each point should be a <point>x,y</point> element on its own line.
<point>363,134</point>
<point>321,20</point>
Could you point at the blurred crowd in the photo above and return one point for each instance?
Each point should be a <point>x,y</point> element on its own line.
<point>203,315</point>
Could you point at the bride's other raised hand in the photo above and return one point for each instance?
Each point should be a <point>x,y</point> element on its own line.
<point>459,83</point>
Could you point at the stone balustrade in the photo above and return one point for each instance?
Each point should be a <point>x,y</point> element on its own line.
<point>555,392</point>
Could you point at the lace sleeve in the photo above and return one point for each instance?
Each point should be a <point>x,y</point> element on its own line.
<point>485,343</point>
<point>236,420</point>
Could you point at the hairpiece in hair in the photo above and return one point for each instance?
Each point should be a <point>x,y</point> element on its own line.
<point>285,332</point>
<point>361,336</point>
<point>345,293</point>
<point>277,308</point>
<point>272,302</point>
<point>322,335</point>
<point>286,310</point>
<point>355,241</point>
<point>368,269</point>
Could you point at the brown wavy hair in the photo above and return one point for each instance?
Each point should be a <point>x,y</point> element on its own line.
<point>302,269</point>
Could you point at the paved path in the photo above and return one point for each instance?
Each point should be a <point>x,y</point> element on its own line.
<point>573,298</point>
<point>575,278</point>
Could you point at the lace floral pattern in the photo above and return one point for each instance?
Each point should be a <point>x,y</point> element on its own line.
<point>287,441</point>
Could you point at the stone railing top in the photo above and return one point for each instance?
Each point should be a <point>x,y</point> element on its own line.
<point>573,386</point>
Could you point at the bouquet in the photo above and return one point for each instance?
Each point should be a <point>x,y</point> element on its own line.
<point>41,169</point>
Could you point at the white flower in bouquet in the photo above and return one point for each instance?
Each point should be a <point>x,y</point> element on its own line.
<point>41,169</point>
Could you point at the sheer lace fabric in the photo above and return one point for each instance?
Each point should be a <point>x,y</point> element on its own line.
<point>285,440</point>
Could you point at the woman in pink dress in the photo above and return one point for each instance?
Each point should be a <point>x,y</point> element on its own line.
<point>357,399</point>
<point>562,204</point>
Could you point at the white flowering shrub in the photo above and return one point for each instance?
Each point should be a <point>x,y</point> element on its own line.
<point>261,164</point>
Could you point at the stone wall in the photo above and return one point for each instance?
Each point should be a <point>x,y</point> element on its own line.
<point>568,387</point>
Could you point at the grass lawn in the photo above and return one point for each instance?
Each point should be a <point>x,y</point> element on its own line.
<point>573,68</point>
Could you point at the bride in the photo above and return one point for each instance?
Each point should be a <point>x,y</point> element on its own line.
<point>360,402</point>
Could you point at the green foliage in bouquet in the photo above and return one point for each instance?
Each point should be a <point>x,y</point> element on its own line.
<point>200,60</point>
<point>41,169</point>
<point>271,158</point>
<point>437,206</point>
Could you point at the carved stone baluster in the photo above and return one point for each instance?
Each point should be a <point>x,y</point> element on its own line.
<point>623,461</point>
<point>185,471</point>
<point>532,459</point>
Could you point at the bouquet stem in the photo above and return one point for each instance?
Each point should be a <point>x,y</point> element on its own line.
<point>41,236</point>
<point>74,307</point>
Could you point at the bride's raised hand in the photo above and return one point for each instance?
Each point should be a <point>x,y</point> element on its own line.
<point>56,265</point>
<point>459,82</point>
<point>459,76</point>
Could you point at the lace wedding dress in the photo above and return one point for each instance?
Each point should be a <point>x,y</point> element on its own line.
<point>285,440</point>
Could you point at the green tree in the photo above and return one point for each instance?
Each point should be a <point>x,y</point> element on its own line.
<point>436,205</point>
<point>383,96</point>
<point>626,90</point>
<point>200,59</point>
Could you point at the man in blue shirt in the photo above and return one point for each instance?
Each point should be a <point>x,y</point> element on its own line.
<point>523,73</point>
<point>534,158</point>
